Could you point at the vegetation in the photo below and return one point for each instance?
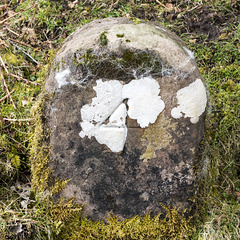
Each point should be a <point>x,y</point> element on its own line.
<point>30,33</point>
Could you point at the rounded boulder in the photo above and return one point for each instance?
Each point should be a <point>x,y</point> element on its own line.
<point>126,118</point>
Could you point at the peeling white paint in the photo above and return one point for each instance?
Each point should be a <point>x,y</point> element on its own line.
<point>118,118</point>
<point>114,133</point>
<point>108,98</point>
<point>143,100</point>
<point>192,101</point>
<point>113,137</point>
<point>105,117</point>
<point>62,76</point>
<point>106,103</point>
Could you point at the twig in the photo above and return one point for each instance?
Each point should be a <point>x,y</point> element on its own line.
<point>5,84</point>
<point>8,93</point>
<point>233,186</point>
<point>36,62</point>
<point>18,120</point>
<point>4,65</point>
<point>2,42</point>
<point>11,31</point>
<point>161,4</point>
<point>23,43</point>
<point>113,4</point>
<point>192,8</point>
<point>3,21</point>
<point>6,96</point>
<point>23,79</point>
<point>10,9</point>
<point>29,23</point>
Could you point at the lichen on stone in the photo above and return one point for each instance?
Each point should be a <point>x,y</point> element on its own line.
<point>157,137</point>
<point>107,101</point>
<point>62,76</point>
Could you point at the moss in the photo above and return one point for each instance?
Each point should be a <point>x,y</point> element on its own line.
<point>124,66</point>
<point>157,137</point>
<point>136,20</point>
<point>173,226</point>
<point>11,58</point>
<point>120,35</point>
<point>103,40</point>
<point>40,153</point>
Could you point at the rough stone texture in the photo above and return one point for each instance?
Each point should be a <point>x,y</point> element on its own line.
<point>157,162</point>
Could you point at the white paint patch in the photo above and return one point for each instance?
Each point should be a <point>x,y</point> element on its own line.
<point>113,137</point>
<point>143,100</point>
<point>105,117</point>
<point>189,52</point>
<point>62,76</point>
<point>118,118</point>
<point>192,101</point>
<point>108,98</point>
<point>114,133</point>
<point>106,103</point>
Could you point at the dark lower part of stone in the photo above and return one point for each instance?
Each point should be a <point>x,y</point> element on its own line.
<point>120,184</point>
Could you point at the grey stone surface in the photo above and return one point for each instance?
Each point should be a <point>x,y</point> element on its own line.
<point>124,167</point>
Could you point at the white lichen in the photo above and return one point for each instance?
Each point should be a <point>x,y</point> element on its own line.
<point>143,100</point>
<point>192,101</point>
<point>62,76</point>
<point>105,117</point>
<point>189,52</point>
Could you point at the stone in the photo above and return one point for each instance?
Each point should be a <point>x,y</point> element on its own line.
<point>126,118</point>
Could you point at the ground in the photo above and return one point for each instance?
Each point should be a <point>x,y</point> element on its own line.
<point>30,33</point>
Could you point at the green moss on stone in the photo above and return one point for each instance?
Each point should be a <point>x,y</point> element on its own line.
<point>173,226</point>
<point>39,145</point>
<point>120,35</point>
<point>103,41</point>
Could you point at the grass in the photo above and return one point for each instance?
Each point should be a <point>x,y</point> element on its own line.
<point>210,28</point>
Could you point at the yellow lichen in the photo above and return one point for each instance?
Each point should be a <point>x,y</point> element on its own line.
<point>157,136</point>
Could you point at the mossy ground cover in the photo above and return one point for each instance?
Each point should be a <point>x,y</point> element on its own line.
<point>30,33</point>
